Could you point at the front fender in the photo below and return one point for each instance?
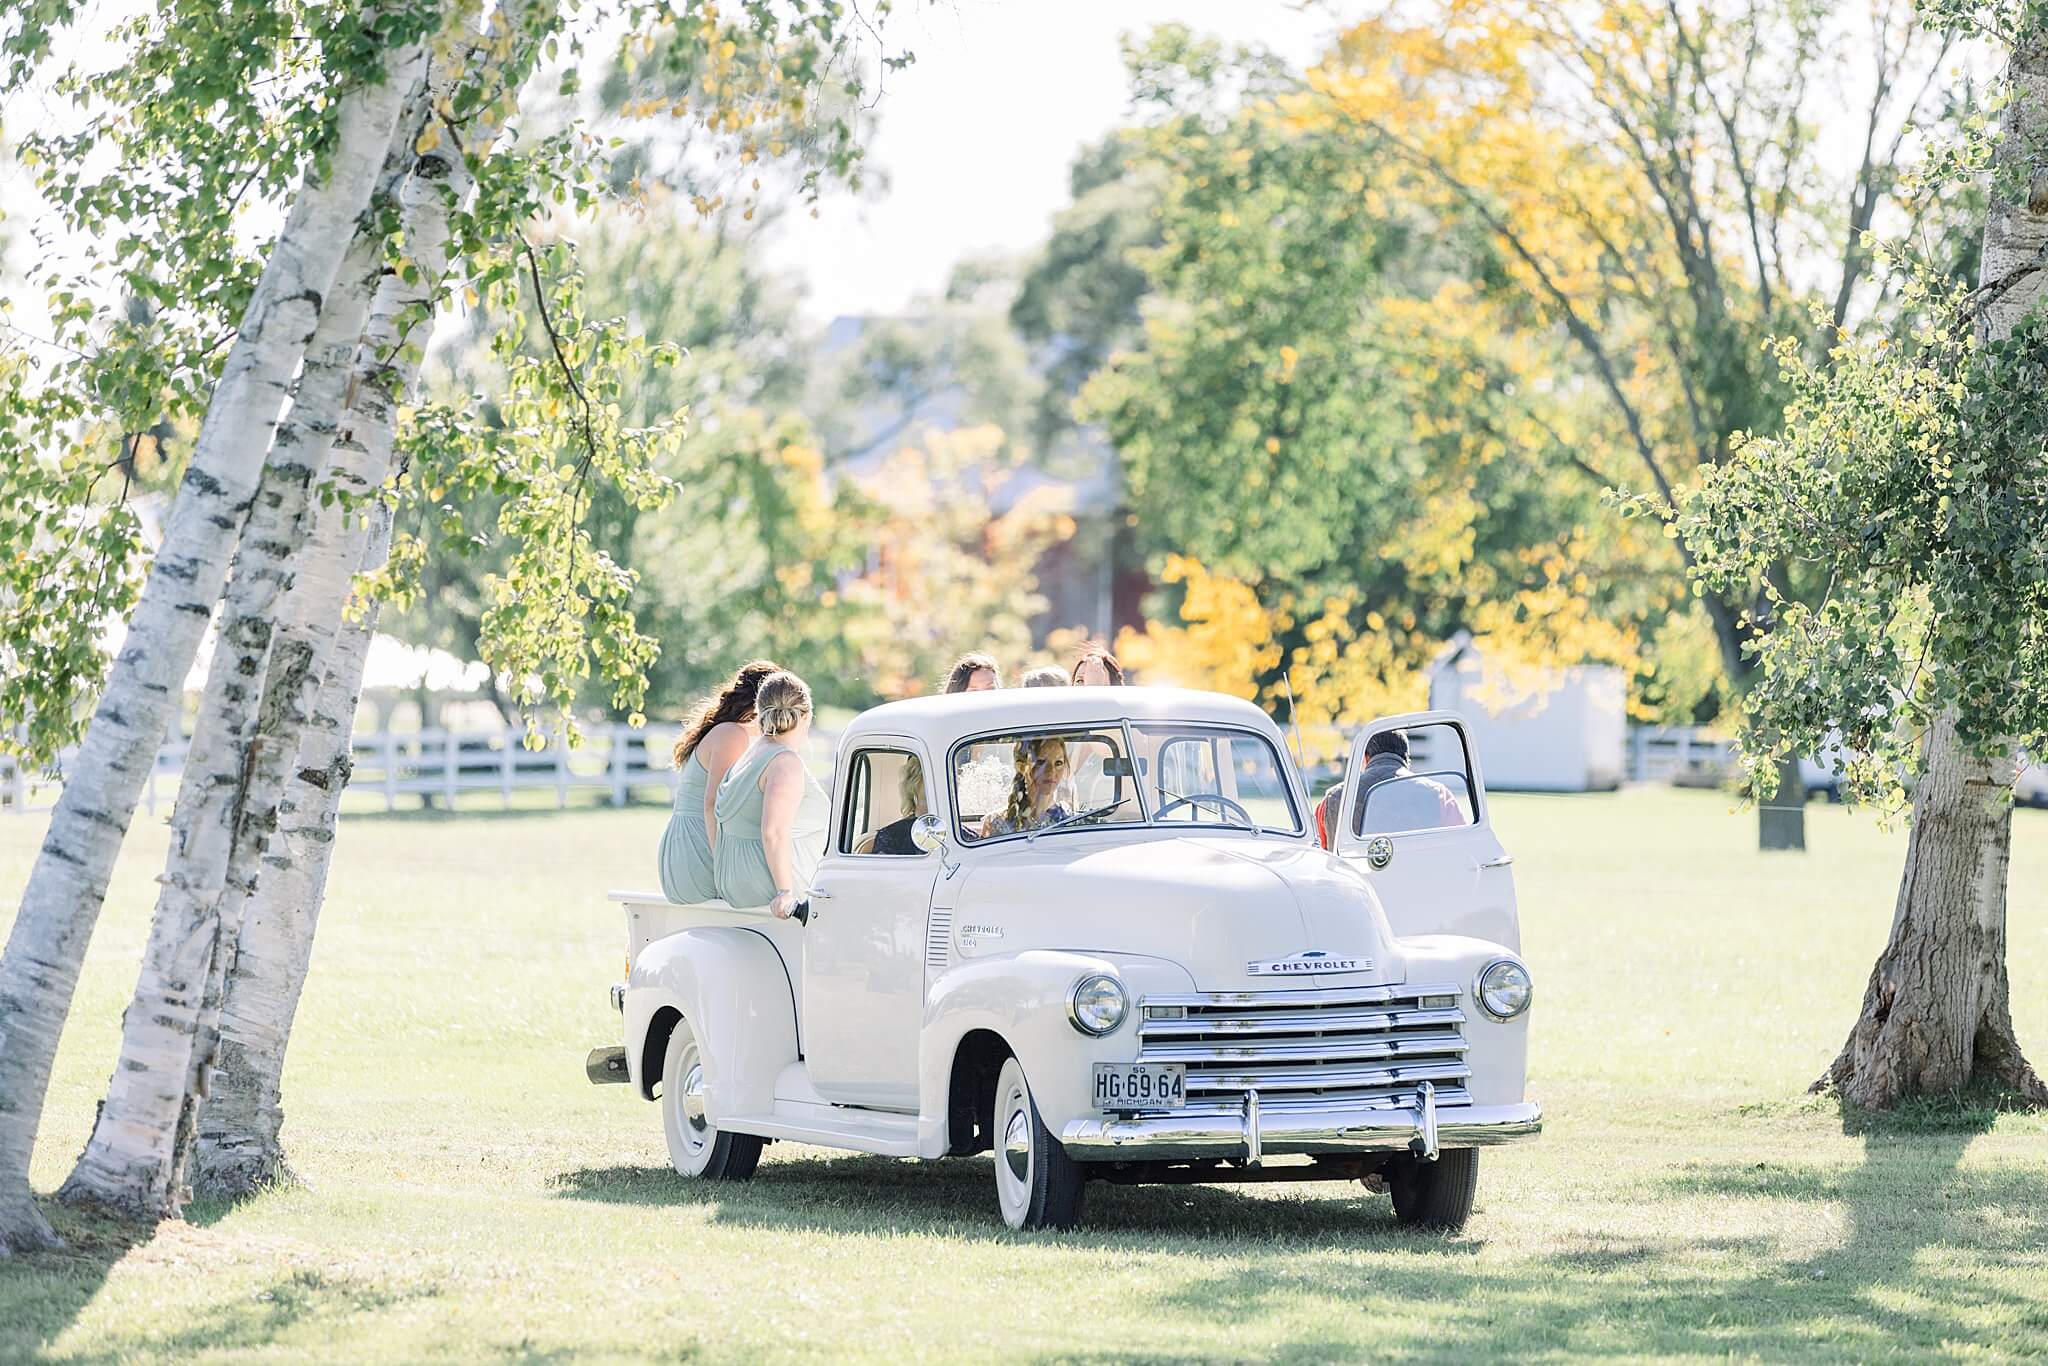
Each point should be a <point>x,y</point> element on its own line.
<point>1497,1051</point>
<point>732,987</point>
<point>1022,998</point>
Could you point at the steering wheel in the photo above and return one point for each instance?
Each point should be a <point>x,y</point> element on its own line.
<point>1224,805</point>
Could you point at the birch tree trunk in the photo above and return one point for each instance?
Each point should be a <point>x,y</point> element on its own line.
<point>316,676</point>
<point>240,1144</point>
<point>67,885</point>
<point>129,1162</point>
<point>1937,1013</point>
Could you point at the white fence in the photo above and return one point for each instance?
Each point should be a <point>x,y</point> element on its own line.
<point>442,767</point>
<point>435,766</point>
<point>1675,753</point>
<point>447,764</point>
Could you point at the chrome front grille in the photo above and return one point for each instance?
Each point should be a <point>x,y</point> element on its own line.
<point>1341,1047</point>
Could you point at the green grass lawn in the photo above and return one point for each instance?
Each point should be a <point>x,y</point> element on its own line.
<point>468,1195</point>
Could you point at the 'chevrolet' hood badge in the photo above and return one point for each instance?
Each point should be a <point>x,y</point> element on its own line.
<point>1314,961</point>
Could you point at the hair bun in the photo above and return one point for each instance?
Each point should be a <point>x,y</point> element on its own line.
<point>783,701</point>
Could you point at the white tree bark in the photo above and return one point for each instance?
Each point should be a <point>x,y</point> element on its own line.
<point>1937,1014</point>
<point>67,885</point>
<point>275,896</point>
<point>240,1139</point>
<point>129,1162</point>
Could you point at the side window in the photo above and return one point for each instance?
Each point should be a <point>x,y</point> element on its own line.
<point>1414,779</point>
<point>885,792</point>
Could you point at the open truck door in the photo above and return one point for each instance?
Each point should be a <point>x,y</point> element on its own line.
<point>1413,816</point>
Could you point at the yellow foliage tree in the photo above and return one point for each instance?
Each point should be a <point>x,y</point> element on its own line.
<point>1650,205</point>
<point>1224,642</point>
<point>1353,666</point>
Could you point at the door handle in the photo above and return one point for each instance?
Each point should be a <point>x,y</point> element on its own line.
<point>1503,861</point>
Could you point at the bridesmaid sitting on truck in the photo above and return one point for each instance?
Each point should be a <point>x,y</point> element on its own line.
<point>771,812</point>
<point>710,747</point>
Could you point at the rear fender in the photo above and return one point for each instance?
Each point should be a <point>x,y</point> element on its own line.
<point>732,987</point>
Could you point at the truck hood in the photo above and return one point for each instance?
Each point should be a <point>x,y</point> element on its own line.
<point>1214,904</point>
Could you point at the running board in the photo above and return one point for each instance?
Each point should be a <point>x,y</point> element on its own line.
<point>831,1126</point>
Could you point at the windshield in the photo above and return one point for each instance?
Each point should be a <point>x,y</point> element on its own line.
<point>1035,780</point>
<point>1087,777</point>
<point>1213,775</point>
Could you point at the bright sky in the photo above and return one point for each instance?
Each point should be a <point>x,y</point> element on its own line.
<point>976,138</point>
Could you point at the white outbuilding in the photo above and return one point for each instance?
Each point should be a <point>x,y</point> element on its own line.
<point>1541,729</point>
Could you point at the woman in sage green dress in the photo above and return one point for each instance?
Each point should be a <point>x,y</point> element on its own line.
<point>703,756</point>
<point>771,812</point>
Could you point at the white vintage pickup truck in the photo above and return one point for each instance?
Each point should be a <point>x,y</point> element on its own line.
<point>1155,976</point>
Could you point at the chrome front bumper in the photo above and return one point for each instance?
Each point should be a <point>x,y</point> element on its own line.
<point>1249,1136</point>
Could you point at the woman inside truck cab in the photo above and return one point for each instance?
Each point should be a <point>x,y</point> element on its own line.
<point>1034,790</point>
<point>771,812</point>
<point>704,754</point>
<point>894,838</point>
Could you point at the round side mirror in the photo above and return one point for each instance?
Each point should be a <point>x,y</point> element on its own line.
<point>929,834</point>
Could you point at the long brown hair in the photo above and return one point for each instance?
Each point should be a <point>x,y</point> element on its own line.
<point>967,666</point>
<point>734,703</point>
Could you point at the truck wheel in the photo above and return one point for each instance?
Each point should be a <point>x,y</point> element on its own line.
<point>1037,1184</point>
<point>1435,1194</point>
<point>695,1146</point>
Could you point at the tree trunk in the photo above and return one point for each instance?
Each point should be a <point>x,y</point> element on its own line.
<point>1936,1015</point>
<point>1937,1012</point>
<point>301,758</point>
<point>130,1163</point>
<point>67,885</point>
<point>240,1144</point>
<point>1781,821</point>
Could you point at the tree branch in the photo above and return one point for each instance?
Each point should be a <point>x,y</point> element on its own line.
<point>1736,160</point>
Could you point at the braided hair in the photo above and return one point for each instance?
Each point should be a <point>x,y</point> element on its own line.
<point>1018,812</point>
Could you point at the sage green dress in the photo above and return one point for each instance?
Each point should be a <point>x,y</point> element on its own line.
<point>686,871</point>
<point>741,860</point>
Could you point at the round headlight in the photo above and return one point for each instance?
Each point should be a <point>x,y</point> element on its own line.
<point>1098,1004</point>
<point>1503,988</point>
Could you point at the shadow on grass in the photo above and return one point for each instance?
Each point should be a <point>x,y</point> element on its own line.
<point>1875,1294</point>
<point>41,1294</point>
<point>958,1197</point>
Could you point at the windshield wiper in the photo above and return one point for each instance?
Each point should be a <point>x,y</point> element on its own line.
<point>1079,816</point>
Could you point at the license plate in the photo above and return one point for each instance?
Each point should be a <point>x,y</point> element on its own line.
<point>1139,1085</point>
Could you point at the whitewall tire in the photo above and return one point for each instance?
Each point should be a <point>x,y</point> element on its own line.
<point>696,1147</point>
<point>1037,1184</point>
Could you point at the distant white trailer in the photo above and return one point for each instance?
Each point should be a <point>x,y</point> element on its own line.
<point>1542,730</point>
